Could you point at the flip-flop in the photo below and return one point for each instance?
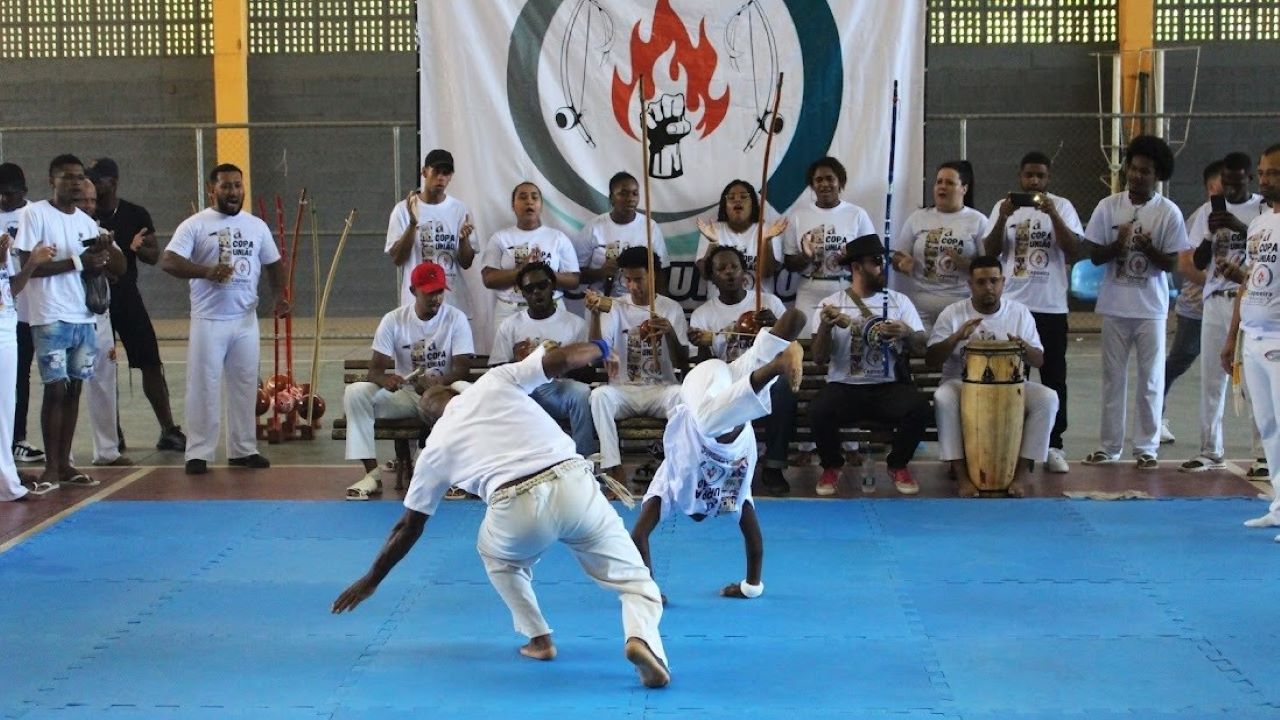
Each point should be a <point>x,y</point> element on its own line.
<point>81,480</point>
<point>41,488</point>
<point>365,487</point>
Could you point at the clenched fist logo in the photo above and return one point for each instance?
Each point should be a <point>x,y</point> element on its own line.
<point>666,126</point>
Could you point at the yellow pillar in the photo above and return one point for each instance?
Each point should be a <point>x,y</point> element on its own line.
<point>1136,28</point>
<point>231,83</point>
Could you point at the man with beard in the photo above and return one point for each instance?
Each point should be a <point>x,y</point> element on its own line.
<point>427,343</point>
<point>987,316</point>
<point>865,380</point>
<point>222,252</point>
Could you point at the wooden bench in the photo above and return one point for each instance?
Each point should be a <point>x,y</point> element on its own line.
<point>643,436</point>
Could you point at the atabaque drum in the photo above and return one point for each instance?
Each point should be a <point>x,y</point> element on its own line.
<point>992,404</point>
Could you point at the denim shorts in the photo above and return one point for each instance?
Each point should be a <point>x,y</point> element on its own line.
<point>64,350</point>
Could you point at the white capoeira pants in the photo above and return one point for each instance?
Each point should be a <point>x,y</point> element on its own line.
<point>10,486</point>
<point>720,394</point>
<point>1120,336</point>
<point>1214,382</point>
<point>810,295</point>
<point>570,509</point>
<point>365,402</point>
<point>1262,376</point>
<point>222,355</point>
<point>610,403</point>
<point>100,392</point>
<point>1042,408</point>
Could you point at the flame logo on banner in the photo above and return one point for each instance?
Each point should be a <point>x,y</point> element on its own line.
<point>698,61</point>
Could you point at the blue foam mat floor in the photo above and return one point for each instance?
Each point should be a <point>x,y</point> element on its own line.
<point>1035,609</point>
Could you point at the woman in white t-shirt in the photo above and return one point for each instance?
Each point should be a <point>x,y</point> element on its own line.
<point>735,226</point>
<point>936,244</point>
<point>605,236</point>
<point>817,233</point>
<point>525,242</point>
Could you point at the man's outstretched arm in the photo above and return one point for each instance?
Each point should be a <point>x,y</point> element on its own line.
<point>406,532</point>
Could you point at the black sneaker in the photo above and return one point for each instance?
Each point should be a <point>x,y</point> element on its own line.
<point>255,461</point>
<point>197,467</point>
<point>172,439</point>
<point>775,482</point>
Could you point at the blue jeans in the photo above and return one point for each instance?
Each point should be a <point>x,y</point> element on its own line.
<point>64,350</point>
<point>1184,350</point>
<point>570,400</point>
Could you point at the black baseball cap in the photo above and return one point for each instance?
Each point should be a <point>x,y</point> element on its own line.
<point>439,159</point>
<point>12,178</point>
<point>103,168</point>
<point>863,246</point>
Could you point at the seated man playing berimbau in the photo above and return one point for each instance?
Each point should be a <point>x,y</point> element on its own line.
<point>987,316</point>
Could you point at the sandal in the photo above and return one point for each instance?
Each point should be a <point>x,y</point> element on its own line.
<point>366,487</point>
<point>41,487</point>
<point>81,480</point>
<point>1099,458</point>
<point>454,493</point>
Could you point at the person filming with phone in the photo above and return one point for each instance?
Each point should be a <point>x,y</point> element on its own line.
<point>1036,235</point>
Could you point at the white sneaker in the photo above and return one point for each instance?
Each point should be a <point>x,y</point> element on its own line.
<point>1056,462</point>
<point>1166,435</point>
<point>1268,520</point>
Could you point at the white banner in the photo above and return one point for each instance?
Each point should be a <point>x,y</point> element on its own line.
<point>548,91</point>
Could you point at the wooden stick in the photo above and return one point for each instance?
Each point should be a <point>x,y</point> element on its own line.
<point>644,167</point>
<point>324,301</point>
<point>288,288</point>
<point>315,308</point>
<point>764,192</point>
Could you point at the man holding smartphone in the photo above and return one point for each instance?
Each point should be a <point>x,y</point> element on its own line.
<point>1220,231</point>
<point>1036,234</point>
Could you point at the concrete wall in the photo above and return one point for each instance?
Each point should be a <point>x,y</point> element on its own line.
<point>353,167</point>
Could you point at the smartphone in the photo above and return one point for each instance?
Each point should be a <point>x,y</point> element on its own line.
<point>1021,199</point>
<point>1218,203</point>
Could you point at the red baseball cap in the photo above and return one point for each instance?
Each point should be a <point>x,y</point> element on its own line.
<point>428,277</point>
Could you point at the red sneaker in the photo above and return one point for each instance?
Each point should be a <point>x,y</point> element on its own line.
<point>903,481</point>
<point>827,483</point>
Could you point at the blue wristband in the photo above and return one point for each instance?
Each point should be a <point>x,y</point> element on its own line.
<point>604,349</point>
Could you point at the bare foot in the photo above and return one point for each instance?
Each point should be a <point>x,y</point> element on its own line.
<point>965,488</point>
<point>1014,490</point>
<point>539,648</point>
<point>653,674</point>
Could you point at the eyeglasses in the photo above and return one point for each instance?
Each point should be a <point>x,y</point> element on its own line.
<point>536,286</point>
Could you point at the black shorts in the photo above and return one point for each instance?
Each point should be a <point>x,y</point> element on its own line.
<point>132,324</point>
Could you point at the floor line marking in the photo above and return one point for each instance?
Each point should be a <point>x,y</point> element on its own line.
<point>65,512</point>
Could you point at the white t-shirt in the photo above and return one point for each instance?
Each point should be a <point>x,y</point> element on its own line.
<point>1260,307</point>
<point>925,236</point>
<point>643,363</point>
<point>242,241</point>
<point>438,228</point>
<point>428,345</point>
<point>55,298</point>
<point>857,355</point>
<point>489,435</point>
<point>1035,267</point>
<point>746,242</point>
<point>509,247</point>
<point>1132,286</point>
<point>714,315</point>
<point>700,475</point>
<point>834,227</point>
<point>1013,318</point>
<point>602,238</point>
<point>1227,245</point>
<point>9,225</point>
<point>562,328</point>
<point>8,311</point>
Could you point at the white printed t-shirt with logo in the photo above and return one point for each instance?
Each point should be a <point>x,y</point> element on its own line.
<point>857,354</point>
<point>1012,319</point>
<point>1227,245</point>
<point>717,317</point>
<point>1132,286</point>
<point>1260,306</point>
<point>928,234</point>
<point>511,246</point>
<point>832,228</point>
<point>430,345</point>
<point>603,239</point>
<point>437,242</point>
<point>744,241</point>
<point>642,362</point>
<point>242,241</point>
<point>9,226</point>
<point>475,443</point>
<point>8,311</point>
<point>1035,267</point>
<point>55,298</point>
<point>562,328</point>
